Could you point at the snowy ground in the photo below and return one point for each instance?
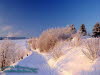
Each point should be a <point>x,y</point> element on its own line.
<point>74,62</point>
<point>35,60</point>
<point>22,43</point>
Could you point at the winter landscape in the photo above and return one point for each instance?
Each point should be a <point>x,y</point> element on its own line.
<point>49,37</point>
<point>64,51</point>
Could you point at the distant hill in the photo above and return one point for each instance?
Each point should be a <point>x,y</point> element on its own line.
<point>12,38</point>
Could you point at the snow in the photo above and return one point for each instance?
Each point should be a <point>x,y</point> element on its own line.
<point>38,61</point>
<point>34,60</point>
<point>73,62</point>
<point>22,43</point>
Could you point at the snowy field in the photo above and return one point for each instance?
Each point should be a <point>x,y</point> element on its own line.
<point>38,61</point>
<point>22,43</point>
<point>73,62</point>
<point>34,60</point>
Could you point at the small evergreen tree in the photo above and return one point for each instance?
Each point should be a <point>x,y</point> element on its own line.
<point>82,30</point>
<point>73,29</point>
<point>96,30</point>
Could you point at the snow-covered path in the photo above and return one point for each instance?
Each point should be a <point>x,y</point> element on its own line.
<point>35,60</point>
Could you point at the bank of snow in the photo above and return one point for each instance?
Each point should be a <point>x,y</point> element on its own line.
<point>74,62</point>
<point>35,60</point>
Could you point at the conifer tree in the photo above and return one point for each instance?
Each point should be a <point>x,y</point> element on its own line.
<point>73,29</point>
<point>82,30</point>
<point>96,30</point>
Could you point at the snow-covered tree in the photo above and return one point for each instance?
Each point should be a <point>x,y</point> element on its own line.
<point>82,30</point>
<point>73,29</point>
<point>32,43</point>
<point>9,53</point>
<point>96,30</point>
<point>50,37</point>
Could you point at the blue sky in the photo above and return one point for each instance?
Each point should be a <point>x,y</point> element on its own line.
<point>31,17</point>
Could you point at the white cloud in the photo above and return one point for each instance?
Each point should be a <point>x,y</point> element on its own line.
<point>9,31</point>
<point>7,28</point>
<point>13,34</point>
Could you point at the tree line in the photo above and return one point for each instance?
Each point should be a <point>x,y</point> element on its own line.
<point>95,31</point>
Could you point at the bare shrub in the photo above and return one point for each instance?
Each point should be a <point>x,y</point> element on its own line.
<point>57,51</point>
<point>57,54</point>
<point>92,47</point>
<point>33,43</point>
<point>21,53</point>
<point>76,41</point>
<point>50,37</point>
<point>9,53</point>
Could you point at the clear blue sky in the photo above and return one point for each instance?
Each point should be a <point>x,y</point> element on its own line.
<point>34,16</point>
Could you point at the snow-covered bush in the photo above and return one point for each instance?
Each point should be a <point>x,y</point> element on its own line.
<point>92,47</point>
<point>50,37</point>
<point>33,43</point>
<point>57,51</point>
<point>76,41</point>
<point>9,53</point>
